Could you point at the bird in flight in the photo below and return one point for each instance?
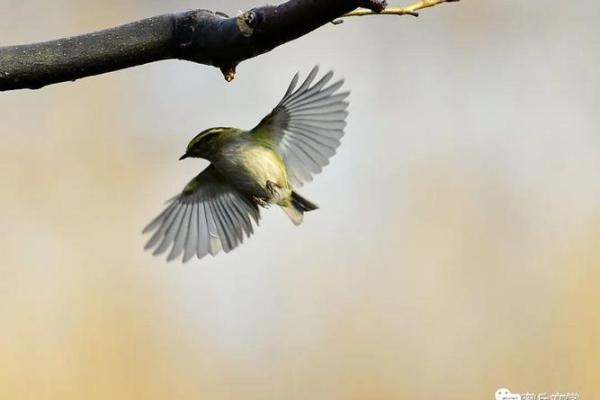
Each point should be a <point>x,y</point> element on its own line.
<point>252,169</point>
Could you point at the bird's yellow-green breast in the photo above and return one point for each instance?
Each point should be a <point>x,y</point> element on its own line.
<point>249,165</point>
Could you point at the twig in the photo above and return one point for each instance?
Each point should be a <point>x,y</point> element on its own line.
<point>407,10</point>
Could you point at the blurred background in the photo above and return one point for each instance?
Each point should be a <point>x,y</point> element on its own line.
<point>456,251</point>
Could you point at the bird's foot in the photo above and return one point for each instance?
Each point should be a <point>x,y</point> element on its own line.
<point>274,189</point>
<point>261,202</point>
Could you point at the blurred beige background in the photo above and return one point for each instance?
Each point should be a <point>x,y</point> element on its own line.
<point>457,249</point>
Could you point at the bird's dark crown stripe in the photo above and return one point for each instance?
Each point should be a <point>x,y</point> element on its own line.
<point>205,134</point>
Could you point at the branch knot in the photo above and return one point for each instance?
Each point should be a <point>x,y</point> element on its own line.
<point>375,5</point>
<point>246,22</point>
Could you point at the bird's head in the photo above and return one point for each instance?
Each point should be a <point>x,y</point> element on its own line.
<point>206,143</point>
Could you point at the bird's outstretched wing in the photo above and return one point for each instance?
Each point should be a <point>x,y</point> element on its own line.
<point>306,126</point>
<point>209,215</point>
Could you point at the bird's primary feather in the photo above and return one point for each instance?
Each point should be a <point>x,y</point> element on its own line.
<point>209,215</point>
<point>306,126</point>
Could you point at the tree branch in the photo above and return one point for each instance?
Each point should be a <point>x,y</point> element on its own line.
<point>201,36</point>
<point>35,65</point>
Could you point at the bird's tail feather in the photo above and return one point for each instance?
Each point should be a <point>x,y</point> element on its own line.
<point>298,206</point>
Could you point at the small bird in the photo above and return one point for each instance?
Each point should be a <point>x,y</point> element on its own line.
<point>248,169</point>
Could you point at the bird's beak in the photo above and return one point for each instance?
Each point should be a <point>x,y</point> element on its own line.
<point>183,156</point>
